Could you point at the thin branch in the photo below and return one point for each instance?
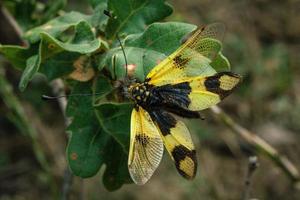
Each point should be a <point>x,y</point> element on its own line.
<point>252,166</point>
<point>81,192</point>
<point>58,88</point>
<point>12,26</point>
<point>261,145</point>
<point>66,188</point>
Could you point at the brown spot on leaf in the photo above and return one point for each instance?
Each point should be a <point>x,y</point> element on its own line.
<point>83,71</point>
<point>74,156</point>
<point>51,46</point>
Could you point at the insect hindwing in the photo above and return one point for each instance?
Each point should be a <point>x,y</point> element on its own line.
<point>178,142</point>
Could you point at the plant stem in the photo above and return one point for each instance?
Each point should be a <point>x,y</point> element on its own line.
<point>252,166</point>
<point>58,88</point>
<point>66,187</point>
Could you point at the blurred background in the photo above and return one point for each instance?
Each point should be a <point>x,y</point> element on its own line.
<point>262,43</point>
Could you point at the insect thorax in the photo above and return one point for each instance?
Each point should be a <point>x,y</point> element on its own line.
<point>140,93</point>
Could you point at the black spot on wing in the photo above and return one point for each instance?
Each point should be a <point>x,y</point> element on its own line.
<point>177,94</point>
<point>180,153</point>
<point>180,62</point>
<point>180,111</point>
<point>142,139</point>
<point>164,120</point>
<point>212,84</point>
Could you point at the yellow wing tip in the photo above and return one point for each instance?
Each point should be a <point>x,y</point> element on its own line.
<point>185,161</point>
<point>187,167</point>
<point>222,83</point>
<point>229,81</point>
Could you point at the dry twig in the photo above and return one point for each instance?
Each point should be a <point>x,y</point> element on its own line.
<point>252,165</point>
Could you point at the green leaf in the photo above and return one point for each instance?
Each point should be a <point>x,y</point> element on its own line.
<point>87,143</point>
<point>23,12</point>
<point>101,88</point>
<point>220,63</point>
<point>56,26</point>
<point>98,19</point>
<point>161,37</point>
<point>134,16</point>
<point>140,59</point>
<point>51,9</point>
<point>95,3</point>
<point>93,143</point>
<point>32,66</point>
<point>116,173</point>
<point>85,151</point>
<point>57,58</point>
<point>115,120</point>
<point>17,55</point>
<point>59,65</point>
<point>83,42</point>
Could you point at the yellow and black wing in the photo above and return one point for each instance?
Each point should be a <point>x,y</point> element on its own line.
<point>193,58</point>
<point>198,93</point>
<point>208,91</point>
<point>183,98</point>
<point>178,142</point>
<point>146,146</point>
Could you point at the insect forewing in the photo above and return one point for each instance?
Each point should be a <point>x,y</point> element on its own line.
<point>146,147</point>
<point>193,58</point>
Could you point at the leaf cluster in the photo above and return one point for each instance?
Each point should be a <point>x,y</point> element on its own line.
<point>82,50</point>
